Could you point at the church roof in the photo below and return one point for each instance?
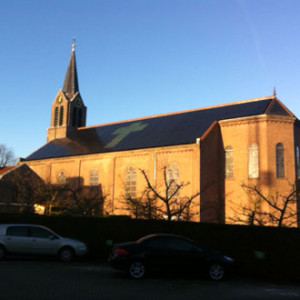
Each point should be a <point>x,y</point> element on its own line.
<point>71,80</point>
<point>155,131</point>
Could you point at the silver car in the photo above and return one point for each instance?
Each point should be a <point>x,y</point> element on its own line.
<point>36,239</point>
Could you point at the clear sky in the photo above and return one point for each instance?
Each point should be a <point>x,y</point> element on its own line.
<point>142,57</point>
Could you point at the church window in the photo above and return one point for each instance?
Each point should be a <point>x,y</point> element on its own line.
<point>298,161</point>
<point>74,121</point>
<point>61,177</point>
<point>172,176</point>
<point>253,161</point>
<point>279,161</point>
<point>229,162</point>
<point>61,115</point>
<point>94,177</point>
<point>79,117</point>
<point>55,116</point>
<point>130,183</point>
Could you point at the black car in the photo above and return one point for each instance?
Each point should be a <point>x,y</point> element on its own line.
<point>166,252</point>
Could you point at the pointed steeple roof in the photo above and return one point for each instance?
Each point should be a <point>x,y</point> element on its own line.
<point>71,80</point>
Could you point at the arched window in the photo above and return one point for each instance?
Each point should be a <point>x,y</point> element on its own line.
<point>94,177</point>
<point>61,177</point>
<point>61,115</point>
<point>130,183</point>
<point>74,121</point>
<point>55,116</point>
<point>298,161</point>
<point>79,117</point>
<point>279,161</point>
<point>229,162</point>
<point>172,174</point>
<point>253,161</point>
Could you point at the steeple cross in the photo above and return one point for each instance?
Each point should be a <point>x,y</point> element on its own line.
<point>73,45</point>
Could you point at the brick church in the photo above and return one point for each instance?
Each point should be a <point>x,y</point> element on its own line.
<point>230,156</point>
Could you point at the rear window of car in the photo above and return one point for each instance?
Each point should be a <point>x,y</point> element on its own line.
<point>17,231</point>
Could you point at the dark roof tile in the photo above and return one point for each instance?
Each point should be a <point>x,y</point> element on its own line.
<point>165,130</point>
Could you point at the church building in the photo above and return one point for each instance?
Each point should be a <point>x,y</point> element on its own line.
<point>228,157</point>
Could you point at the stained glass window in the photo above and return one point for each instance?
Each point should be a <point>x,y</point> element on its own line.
<point>172,174</point>
<point>253,161</point>
<point>61,177</point>
<point>279,160</point>
<point>130,183</point>
<point>298,161</point>
<point>229,162</point>
<point>94,177</point>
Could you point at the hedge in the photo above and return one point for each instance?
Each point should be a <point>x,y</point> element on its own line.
<point>266,252</point>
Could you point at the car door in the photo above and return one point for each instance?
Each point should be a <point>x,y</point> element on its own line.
<point>156,253</point>
<point>17,239</point>
<point>180,254</point>
<point>43,241</point>
<point>169,253</point>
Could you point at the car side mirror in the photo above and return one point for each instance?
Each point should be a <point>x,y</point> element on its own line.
<point>51,237</point>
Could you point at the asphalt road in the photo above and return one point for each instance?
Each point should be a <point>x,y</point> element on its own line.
<point>28,279</point>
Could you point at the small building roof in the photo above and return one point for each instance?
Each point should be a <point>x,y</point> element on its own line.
<point>3,170</point>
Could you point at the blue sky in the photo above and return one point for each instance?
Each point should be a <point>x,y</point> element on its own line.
<point>142,57</point>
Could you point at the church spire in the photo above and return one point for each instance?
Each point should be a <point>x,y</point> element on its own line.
<point>71,81</point>
<point>68,111</point>
<point>274,92</point>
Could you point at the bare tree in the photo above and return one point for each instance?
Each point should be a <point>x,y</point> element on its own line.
<point>49,195</point>
<point>64,199</point>
<point>249,213</point>
<point>85,201</point>
<point>279,209</point>
<point>173,207</point>
<point>7,156</point>
<point>143,206</point>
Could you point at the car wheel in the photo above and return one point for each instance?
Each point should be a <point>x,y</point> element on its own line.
<point>66,254</point>
<point>2,252</point>
<point>216,271</point>
<point>137,269</point>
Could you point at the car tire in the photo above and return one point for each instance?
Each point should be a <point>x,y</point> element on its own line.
<point>66,254</point>
<point>216,271</point>
<point>2,252</point>
<point>137,269</point>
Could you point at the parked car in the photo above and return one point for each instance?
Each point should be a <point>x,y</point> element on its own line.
<point>36,239</point>
<point>166,252</point>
